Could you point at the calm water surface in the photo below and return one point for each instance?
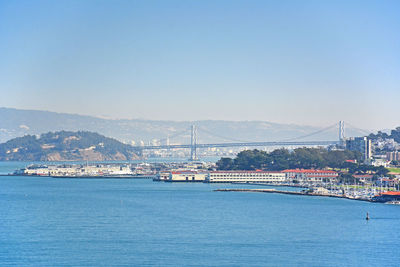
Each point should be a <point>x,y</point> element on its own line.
<point>116,222</point>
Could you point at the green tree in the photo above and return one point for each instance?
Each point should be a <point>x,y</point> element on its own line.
<point>346,178</point>
<point>225,164</point>
<point>250,160</point>
<point>278,160</point>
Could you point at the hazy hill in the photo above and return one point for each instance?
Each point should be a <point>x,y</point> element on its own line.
<point>17,123</point>
<point>64,145</point>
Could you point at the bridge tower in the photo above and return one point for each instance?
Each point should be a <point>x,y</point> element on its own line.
<point>193,143</point>
<point>167,143</point>
<point>341,134</point>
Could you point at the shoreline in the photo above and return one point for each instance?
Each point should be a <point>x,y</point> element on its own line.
<point>87,176</point>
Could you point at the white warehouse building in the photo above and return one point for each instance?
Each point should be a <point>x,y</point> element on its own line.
<point>246,177</point>
<point>186,176</point>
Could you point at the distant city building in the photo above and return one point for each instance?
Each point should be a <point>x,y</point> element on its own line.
<point>360,144</point>
<point>390,156</point>
<point>388,144</point>
<point>380,162</point>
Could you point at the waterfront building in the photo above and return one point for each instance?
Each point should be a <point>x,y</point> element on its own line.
<point>36,170</point>
<point>51,170</point>
<point>360,144</point>
<point>78,170</point>
<point>63,170</point>
<point>245,177</point>
<point>106,170</point>
<point>311,175</point>
<point>384,181</point>
<point>364,178</point>
<point>186,176</point>
<point>162,176</point>
<point>387,196</point>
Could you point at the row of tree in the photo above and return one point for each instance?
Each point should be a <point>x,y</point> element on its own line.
<point>394,134</point>
<point>301,158</point>
<point>280,159</point>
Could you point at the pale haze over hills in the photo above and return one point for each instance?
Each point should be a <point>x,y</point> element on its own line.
<point>16,123</point>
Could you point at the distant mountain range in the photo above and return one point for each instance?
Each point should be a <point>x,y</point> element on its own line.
<point>64,146</point>
<point>17,123</point>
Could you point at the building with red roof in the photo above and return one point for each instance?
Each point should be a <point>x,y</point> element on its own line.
<point>311,175</point>
<point>364,178</point>
<point>387,196</point>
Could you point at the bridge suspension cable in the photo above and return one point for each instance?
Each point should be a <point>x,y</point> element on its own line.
<point>220,136</point>
<point>285,142</point>
<point>175,135</point>
<point>310,134</point>
<point>358,129</point>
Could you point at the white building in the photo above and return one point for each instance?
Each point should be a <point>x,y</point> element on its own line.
<point>245,177</point>
<point>364,178</point>
<point>79,170</point>
<point>186,176</point>
<point>380,162</point>
<point>162,176</point>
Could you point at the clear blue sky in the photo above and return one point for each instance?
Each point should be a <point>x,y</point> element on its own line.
<point>303,62</point>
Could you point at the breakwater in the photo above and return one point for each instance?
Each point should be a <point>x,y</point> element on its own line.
<point>301,193</point>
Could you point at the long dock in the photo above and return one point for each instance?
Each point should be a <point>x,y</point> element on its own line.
<point>289,193</point>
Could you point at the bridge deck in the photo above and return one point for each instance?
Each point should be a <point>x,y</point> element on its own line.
<point>303,143</point>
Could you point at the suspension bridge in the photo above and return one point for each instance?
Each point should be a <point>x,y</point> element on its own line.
<point>194,145</point>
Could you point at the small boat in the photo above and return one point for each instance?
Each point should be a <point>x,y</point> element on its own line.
<point>367,218</point>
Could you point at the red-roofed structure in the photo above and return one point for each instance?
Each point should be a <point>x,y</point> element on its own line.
<point>391,193</point>
<point>311,175</point>
<point>387,196</point>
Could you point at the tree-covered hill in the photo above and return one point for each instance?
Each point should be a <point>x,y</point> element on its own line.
<point>394,134</point>
<point>65,145</point>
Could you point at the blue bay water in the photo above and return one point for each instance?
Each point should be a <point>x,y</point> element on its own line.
<point>117,222</point>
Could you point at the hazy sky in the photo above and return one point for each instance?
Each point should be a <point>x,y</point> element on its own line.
<point>303,62</point>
